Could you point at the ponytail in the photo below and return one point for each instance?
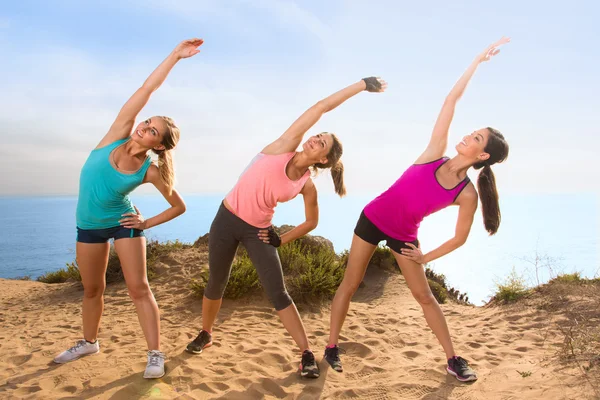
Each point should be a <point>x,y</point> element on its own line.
<point>337,174</point>
<point>165,156</point>
<point>166,168</point>
<point>488,194</point>
<point>497,148</point>
<point>337,168</point>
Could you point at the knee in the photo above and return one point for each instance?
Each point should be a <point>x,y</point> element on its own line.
<point>349,287</point>
<point>139,290</point>
<point>281,300</point>
<point>214,289</point>
<point>93,290</point>
<point>424,298</point>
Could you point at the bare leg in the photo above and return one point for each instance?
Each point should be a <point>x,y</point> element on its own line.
<point>92,260</point>
<point>417,283</point>
<point>358,260</point>
<point>132,253</point>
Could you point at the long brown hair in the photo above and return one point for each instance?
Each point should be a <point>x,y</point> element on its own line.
<point>336,165</point>
<point>165,157</point>
<point>497,148</point>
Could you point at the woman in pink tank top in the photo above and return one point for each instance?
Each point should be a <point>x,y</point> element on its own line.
<point>277,174</point>
<point>431,184</point>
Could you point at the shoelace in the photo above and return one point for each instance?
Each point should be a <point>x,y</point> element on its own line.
<point>79,345</point>
<point>154,358</point>
<point>308,358</point>
<point>334,352</point>
<point>461,362</point>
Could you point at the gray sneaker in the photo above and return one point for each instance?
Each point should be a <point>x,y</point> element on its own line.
<point>81,349</point>
<point>156,365</point>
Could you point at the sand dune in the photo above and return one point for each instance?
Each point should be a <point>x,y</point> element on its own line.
<point>390,352</point>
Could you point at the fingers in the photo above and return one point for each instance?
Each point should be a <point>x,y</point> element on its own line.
<point>412,246</point>
<point>136,210</point>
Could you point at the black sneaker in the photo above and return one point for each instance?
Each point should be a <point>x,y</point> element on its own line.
<point>202,341</point>
<point>332,355</point>
<point>309,367</point>
<point>459,367</point>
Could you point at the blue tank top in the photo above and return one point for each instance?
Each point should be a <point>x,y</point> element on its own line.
<point>104,191</point>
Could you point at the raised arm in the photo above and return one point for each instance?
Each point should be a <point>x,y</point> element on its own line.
<point>292,137</point>
<point>439,137</point>
<point>123,125</point>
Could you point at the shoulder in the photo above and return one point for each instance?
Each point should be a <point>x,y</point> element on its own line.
<point>468,197</point>
<point>309,187</point>
<point>152,174</point>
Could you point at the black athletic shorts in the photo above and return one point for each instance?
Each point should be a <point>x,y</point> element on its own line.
<point>367,231</point>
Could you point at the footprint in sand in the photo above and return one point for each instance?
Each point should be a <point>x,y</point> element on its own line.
<point>411,354</point>
<point>19,360</point>
<point>355,349</point>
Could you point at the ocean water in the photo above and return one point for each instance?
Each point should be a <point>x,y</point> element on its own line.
<point>38,234</point>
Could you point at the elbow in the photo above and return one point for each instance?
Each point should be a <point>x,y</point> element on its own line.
<point>181,208</point>
<point>459,241</point>
<point>311,225</point>
<point>321,106</point>
<point>451,100</point>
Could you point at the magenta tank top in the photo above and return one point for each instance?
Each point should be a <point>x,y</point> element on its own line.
<point>261,186</point>
<point>398,211</point>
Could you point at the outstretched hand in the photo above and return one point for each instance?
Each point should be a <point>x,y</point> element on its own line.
<point>492,49</point>
<point>188,48</point>
<point>375,84</point>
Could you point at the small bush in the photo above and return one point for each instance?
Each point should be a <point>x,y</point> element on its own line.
<point>568,278</point>
<point>383,258</point>
<point>312,272</point>
<point>154,250</point>
<point>439,292</point>
<point>242,281</point>
<point>513,288</point>
<point>62,275</point>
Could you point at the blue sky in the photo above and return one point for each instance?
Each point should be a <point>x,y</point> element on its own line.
<point>70,65</point>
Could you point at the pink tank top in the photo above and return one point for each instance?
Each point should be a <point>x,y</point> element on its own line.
<point>261,186</point>
<point>398,211</point>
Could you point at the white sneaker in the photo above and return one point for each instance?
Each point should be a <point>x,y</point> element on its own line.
<point>156,365</point>
<point>82,348</point>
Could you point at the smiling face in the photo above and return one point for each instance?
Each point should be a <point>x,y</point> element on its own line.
<point>473,145</point>
<point>318,147</point>
<point>150,133</point>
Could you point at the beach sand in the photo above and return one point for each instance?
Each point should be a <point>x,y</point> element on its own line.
<point>390,351</point>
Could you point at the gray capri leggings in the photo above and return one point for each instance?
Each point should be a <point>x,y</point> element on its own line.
<point>226,232</point>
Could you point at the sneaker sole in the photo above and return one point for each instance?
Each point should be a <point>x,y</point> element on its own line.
<point>198,352</point>
<point>76,358</point>
<point>333,368</point>
<point>154,377</point>
<point>469,379</point>
<point>310,375</point>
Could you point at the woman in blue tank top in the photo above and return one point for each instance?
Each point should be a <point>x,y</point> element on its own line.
<point>119,164</point>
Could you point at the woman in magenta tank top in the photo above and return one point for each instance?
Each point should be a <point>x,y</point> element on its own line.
<point>276,175</point>
<point>432,183</point>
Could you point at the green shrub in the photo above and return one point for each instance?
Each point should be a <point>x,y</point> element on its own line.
<point>242,281</point>
<point>439,292</point>
<point>513,288</point>
<point>312,272</point>
<point>62,275</point>
<point>154,250</point>
<point>568,278</point>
